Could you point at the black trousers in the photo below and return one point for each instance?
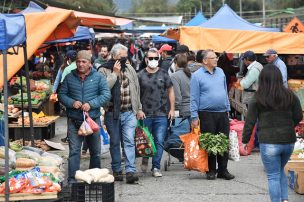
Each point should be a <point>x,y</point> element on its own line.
<point>215,122</point>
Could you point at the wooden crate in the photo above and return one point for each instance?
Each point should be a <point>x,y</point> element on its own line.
<point>29,197</point>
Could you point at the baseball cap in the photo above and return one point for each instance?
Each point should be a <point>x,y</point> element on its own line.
<point>270,52</point>
<point>250,55</point>
<point>71,54</point>
<point>165,47</point>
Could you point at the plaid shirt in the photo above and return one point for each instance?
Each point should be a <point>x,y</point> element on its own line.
<point>125,98</point>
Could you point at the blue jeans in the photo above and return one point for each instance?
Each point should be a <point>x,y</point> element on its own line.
<point>275,157</point>
<point>158,128</point>
<point>75,142</point>
<point>122,129</point>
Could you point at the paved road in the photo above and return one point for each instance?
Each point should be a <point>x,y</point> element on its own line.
<point>178,184</point>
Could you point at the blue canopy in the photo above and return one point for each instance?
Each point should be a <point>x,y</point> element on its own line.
<point>161,39</point>
<point>32,8</point>
<point>226,18</point>
<point>197,20</point>
<point>12,30</point>
<point>82,33</point>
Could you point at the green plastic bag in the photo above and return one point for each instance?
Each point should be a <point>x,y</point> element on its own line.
<point>144,143</point>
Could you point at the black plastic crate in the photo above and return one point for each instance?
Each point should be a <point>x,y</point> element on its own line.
<point>83,192</point>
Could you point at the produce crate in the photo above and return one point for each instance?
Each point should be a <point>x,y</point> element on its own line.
<point>83,192</point>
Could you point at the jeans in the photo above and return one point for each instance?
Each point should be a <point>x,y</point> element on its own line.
<point>275,157</point>
<point>122,129</point>
<point>158,128</point>
<point>75,142</point>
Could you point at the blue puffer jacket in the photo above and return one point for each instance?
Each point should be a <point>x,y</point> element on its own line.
<point>93,90</point>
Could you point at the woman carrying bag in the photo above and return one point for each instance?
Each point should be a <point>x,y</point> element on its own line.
<point>278,111</point>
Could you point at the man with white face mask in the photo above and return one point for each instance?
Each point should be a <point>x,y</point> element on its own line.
<point>156,90</point>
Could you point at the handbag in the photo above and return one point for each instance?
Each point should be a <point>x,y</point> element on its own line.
<point>94,126</point>
<point>195,157</point>
<point>144,143</point>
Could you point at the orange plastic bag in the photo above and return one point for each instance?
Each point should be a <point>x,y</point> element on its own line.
<point>195,158</point>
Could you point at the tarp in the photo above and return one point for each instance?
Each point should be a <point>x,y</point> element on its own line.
<point>32,8</point>
<point>238,41</point>
<point>226,18</point>
<point>94,20</point>
<point>161,39</point>
<point>82,33</point>
<point>40,27</point>
<point>12,30</point>
<point>197,20</point>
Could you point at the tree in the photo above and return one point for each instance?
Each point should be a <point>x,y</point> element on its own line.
<point>151,6</point>
<point>98,5</point>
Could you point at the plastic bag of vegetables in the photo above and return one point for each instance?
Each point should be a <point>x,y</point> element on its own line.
<point>214,143</point>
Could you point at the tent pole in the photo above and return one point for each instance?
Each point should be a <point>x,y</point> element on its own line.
<point>22,109</point>
<point>29,99</point>
<point>5,98</point>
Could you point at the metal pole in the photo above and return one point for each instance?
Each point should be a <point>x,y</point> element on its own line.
<point>22,109</point>
<point>210,8</point>
<point>264,14</point>
<point>5,98</point>
<point>223,2</point>
<point>241,8</point>
<point>29,99</point>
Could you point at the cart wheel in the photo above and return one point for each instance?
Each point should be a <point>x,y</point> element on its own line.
<point>166,165</point>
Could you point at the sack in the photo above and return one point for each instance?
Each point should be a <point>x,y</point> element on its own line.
<point>85,128</point>
<point>94,126</point>
<point>144,143</point>
<point>195,158</point>
<point>234,151</point>
<point>104,140</point>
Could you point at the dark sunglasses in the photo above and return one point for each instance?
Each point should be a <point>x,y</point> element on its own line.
<point>153,58</point>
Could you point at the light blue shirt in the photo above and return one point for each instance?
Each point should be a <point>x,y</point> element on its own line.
<point>57,80</point>
<point>282,67</point>
<point>208,92</point>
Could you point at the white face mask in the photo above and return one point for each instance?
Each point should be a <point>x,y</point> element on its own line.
<point>153,63</point>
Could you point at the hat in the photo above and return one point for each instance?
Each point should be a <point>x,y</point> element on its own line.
<point>71,54</point>
<point>165,47</point>
<point>84,54</point>
<point>270,52</point>
<point>249,55</point>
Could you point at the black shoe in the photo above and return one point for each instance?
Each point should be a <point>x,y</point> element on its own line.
<point>65,140</point>
<point>211,176</point>
<point>131,178</point>
<point>225,175</point>
<point>118,176</point>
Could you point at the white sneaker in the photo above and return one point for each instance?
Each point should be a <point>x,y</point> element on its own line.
<point>156,173</point>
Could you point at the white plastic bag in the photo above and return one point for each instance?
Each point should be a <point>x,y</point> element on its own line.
<point>104,144</point>
<point>234,152</point>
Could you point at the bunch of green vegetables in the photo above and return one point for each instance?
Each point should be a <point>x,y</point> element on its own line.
<point>214,143</point>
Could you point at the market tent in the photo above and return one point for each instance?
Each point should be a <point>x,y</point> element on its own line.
<point>226,18</point>
<point>197,20</point>
<point>82,33</point>
<point>161,39</point>
<point>32,8</point>
<point>41,27</point>
<point>237,41</point>
<point>94,20</point>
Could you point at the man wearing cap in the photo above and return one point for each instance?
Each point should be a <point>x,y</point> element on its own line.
<point>83,90</point>
<point>250,82</point>
<point>166,55</point>
<point>273,58</point>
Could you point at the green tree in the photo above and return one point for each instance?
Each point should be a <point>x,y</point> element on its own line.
<point>151,6</point>
<point>98,5</point>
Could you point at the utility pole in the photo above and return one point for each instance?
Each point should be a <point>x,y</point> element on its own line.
<point>264,13</point>
<point>241,8</point>
<point>223,2</point>
<point>210,8</point>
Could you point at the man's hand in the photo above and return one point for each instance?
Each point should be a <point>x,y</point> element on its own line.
<point>140,115</point>
<point>77,105</point>
<point>86,107</point>
<point>171,115</point>
<point>117,67</point>
<point>194,123</point>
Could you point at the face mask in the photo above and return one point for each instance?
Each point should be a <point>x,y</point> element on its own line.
<point>153,64</point>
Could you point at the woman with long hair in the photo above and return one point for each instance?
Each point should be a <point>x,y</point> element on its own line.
<point>278,111</point>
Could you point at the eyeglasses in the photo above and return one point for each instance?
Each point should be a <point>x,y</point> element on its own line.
<point>153,58</point>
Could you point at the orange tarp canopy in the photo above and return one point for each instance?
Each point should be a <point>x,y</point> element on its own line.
<point>40,27</point>
<point>238,41</point>
<point>94,20</point>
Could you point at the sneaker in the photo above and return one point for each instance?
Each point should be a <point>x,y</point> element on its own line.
<point>144,165</point>
<point>210,175</point>
<point>225,175</point>
<point>118,176</point>
<point>65,140</point>
<point>131,178</point>
<point>156,173</point>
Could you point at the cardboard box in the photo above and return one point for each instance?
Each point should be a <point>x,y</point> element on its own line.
<point>299,182</point>
<point>294,165</point>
